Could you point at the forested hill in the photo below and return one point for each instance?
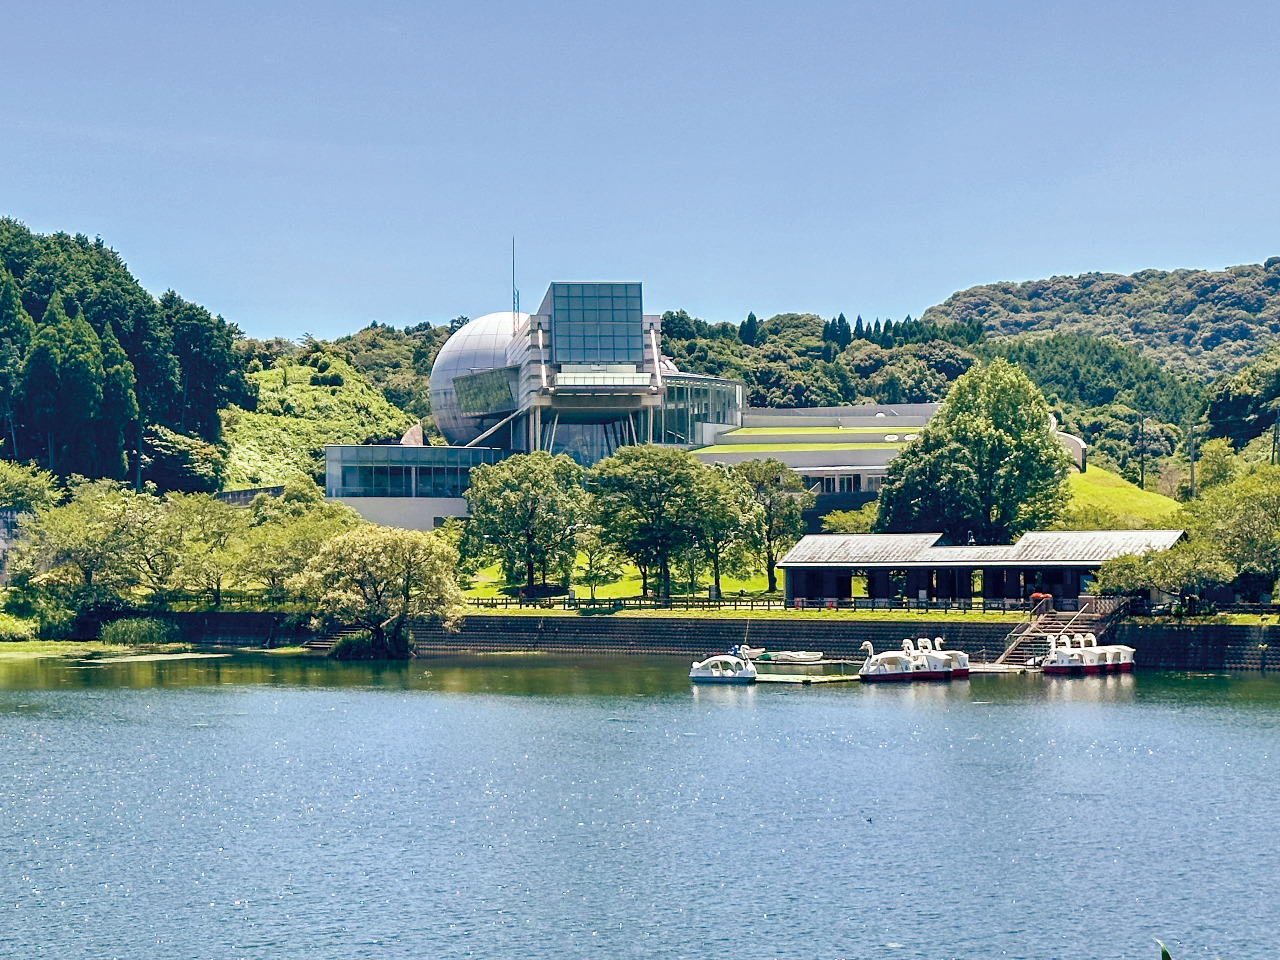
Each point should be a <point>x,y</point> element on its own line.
<point>92,366</point>
<point>1199,321</point>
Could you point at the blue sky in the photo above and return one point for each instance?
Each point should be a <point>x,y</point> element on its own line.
<point>316,166</point>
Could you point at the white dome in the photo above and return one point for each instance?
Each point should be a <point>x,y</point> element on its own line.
<point>477,346</point>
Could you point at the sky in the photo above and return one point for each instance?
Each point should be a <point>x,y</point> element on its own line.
<point>313,167</point>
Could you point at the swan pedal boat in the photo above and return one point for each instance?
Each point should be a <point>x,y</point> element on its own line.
<point>892,666</point>
<point>723,668</point>
<point>1082,656</point>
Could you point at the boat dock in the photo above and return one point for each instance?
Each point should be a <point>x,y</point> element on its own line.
<point>810,678</point>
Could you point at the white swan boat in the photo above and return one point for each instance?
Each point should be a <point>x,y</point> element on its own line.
<point>723,668</point>
<point>958,659</point>
<point>1081,655</point>
<point>926,662</point>
<point>889,667</point>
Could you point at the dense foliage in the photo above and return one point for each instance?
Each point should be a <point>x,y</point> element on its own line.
<point>396,362</point>
<point>1202,322</point>
<point>798,360</point>
<point>302,404</point>
<point>107,547</point>
<point>91,364</point>
<point>986,468</point>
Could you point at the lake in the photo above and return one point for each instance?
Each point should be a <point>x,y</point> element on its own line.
<point>266,807</point>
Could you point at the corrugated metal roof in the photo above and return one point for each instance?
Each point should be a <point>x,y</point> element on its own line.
<point>1055,548</point>
<point>1090,546</point>
<point>843,549</point>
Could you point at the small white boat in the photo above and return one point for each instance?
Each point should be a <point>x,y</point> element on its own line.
<point>958,659</point>
<point>791,656</point>
<point>745,652</point>
<point>1063,660</point>
<point>889,667</point>
<point>723,668</point>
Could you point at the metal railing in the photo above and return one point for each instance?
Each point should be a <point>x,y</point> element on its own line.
<point>752,603</point>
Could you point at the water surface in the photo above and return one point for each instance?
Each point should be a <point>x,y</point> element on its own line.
<point>525,806</point>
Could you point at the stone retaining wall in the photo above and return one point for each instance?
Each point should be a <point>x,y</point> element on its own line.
<point>688,637</point>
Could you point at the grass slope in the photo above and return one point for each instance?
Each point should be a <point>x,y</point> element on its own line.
<point>794,447</point>
<point>1100,489</point>
<point>301,407</point>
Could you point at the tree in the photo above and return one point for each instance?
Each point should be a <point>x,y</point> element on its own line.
<point>40,375</point>
<point>987,466</point>
<point>209,376</point>
<point>16,331</point>
<point>285,532</point>
<point>74,557</point>
<point>598,563</point>
<point>749,330</point>
<point>380,578</point>
<point>1216,464</point>
<point>1184,570</point>
<point>727,517</point>
<point>862,520</point>
<point>781,496</point>
<point>25,488</point>
<point>646,499</point>
<point>1242,519</point>
<point>119,407</point>
<point>213,533</point>
<point>524,511</point>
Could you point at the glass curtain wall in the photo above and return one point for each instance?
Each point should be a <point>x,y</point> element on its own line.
<point>395,471</point>
<point>596,323</point>
<point>693,400</point>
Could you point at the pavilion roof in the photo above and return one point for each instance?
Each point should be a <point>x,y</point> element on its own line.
<point>900,551</point>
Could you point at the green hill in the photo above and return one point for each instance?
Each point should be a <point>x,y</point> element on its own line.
<point>302,405</point>
<point>1100,499</point>
<point>1198,321</point>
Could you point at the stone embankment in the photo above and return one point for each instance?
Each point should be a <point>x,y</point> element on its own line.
<point>1160,645</point>
<point>690,637</point>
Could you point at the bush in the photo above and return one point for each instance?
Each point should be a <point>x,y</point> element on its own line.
<point>16,628</point>
<point>355,646</point>
<point>138,632</point>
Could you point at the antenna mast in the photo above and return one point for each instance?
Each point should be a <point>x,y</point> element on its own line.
<point>515,294</point>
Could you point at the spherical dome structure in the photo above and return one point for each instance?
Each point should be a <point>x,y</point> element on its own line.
<point>477,346</point>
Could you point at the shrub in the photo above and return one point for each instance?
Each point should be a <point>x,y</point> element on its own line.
<point>16,628</point>
<point>138,632</point>
<point>355,646</point>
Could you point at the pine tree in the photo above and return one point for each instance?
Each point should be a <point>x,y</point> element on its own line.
<point>16,331</point>
<point>80,394</point>
<point>858,332</point>
<point>40,380</point>
<point>119,406</point>
<point>749,330</point>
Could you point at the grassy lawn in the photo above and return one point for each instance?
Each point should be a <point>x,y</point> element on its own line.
<point>1106,491</point>
<point>818,431</point>
<point>793,447</point>
<point>488,583</point>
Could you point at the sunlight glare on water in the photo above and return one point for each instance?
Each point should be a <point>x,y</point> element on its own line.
<point>265,807</point>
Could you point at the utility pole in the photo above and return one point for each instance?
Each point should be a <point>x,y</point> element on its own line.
<point>1275,441</point>
<point>1142,453</point>
<point>1191,452</point>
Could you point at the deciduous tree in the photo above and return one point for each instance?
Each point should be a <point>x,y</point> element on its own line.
<point>524,511</point>
<point>781,496</point>
<point>379,578</point>
<point>987,465</point>
<point>646,497</point>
